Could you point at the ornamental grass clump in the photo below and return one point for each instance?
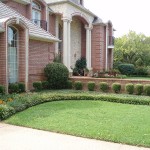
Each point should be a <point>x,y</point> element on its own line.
<point>91,86</point>
<point>103,86</point>
<point>116,87</point>
<point>129,88</point>
<point>147,89</point>
<point>139,89</point>
<point>78,85</point>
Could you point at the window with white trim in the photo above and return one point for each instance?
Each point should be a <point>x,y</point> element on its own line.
<point>36,13</point>
<point>12,55</point>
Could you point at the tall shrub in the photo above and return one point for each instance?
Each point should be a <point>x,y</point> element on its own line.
<point>138,89</point>
<point>103,86</point>
<point>147,89</point>
<point>126,69</point>
<point>57,75</point>
<point>116,87</point>
<point>91,86</point>
<point>129,88</point>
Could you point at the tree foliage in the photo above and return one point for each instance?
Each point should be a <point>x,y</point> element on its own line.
<point>132,48</point>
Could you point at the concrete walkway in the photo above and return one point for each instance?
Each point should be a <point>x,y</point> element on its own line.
<point>20,138</point>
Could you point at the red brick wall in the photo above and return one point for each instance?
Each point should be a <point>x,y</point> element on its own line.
<point>52,24</point>
<point>110,81</point>
<point>22,9</point>
<point>83,41</point>
<point>40,54</point>
<point>98,47</point>
<point>3,58</point>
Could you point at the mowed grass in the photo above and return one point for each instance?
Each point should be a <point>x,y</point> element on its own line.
<point>115,122</point>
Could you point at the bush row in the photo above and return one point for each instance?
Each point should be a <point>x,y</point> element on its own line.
<point>130,88</point>
<point>21,103</point>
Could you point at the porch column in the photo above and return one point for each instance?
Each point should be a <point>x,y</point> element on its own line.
<point>88,46</point>
<point>66,43</point>
<point>106,63</point>
<point>57,34</point>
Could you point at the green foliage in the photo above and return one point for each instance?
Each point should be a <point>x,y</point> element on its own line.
<point>6,111</point>
<point>21,87</point>
<point>45,84</point>
<point>69,84</point>
<point>141,71</point>
<point>126,69</point>
<point>103,86</point>
<point>133,49</point>
<point>147,89</point>
<point>81,63</point>
<point>37,85</point>
<point>129,88</point>
<point>78,85</point>
<point>116,87</point>
<point>2,89</point>
<point>91,86</point>
<point>139,89</point>
<point>57,75</point>
<point>13,88</point>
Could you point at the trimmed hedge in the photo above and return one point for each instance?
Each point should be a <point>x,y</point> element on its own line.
<point>69,84</point>
<point>147,89</point>
<point>139,89</point>
<point>129,88</point>
<point>126,69</point>
<point>37,85</point>
<point>23,102</point>
<point>116,87</point>
<point>91,86</point>
<point>78,85</point>
<point>103,86</point>
<point>13,88</point>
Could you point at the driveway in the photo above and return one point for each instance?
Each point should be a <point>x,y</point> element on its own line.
<point>21,138</point>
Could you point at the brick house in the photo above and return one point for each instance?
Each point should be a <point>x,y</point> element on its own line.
<point>33,31</point>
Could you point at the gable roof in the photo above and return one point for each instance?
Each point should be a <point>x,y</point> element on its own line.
<point>35,32</point>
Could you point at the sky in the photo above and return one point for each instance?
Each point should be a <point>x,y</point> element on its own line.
<point>125,14</point>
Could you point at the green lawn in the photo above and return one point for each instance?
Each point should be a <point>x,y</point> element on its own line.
<point>115,122</point>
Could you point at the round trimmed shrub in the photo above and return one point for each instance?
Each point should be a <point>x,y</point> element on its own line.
<point>21,87</point>
<point>147,89</point>
<point>78,85</point>
<point>129,88</point>
<point>2,89</point>
<point>37,85</point>
<point>57,75</point>
<point>91,86</point>
<point>13,88</point>
<point>126,69</point>
<point>139,89</point>
<point>45,84</point>
<point>116,87</point>
<point>103,86</point>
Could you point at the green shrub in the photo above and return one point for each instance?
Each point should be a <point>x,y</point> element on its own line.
<point>116,87</point>
<point>37,85</point>
<point>69,84</point>
<point>126,69</point>
<point>147,89</point>
<point>45,84</point>
<point>129,88</point>
<point>21,87</point>
<point>57,75</point>
<point>78,85</point>
<point>13,88</point>
<point>141,71</point>
<point>91,86</point>
<point>103,86</point>
<point>138,89</point>
<point>6,111</point>
<point>2,89</point>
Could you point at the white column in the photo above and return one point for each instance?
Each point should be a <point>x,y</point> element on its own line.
<point>57,34</point>
<point>66,43</point>
<point>106,65</point>
<point>88,46</point>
